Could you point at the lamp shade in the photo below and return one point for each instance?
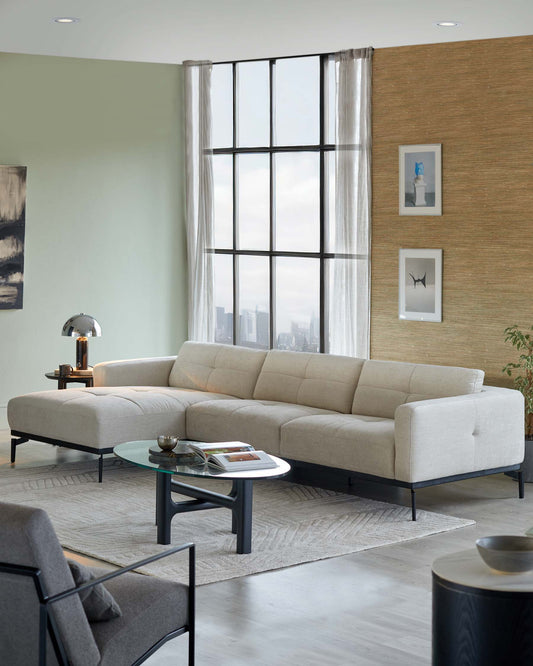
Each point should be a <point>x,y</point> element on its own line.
<point>82,325</point>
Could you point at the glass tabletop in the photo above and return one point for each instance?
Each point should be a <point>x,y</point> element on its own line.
<point>139,454</point>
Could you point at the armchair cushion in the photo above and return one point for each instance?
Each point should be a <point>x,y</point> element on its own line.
<point>151,607</point>
<point>98,603</point>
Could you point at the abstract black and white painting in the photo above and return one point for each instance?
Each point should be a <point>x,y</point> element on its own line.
<point>12,228</point>
<point>421,179</point>
<point>420,294</point>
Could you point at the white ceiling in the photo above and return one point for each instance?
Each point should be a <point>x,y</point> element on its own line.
<point>171,31</point>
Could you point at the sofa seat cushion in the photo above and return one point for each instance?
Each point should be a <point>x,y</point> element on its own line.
<point>206,366</point>
<point>347,441</point>
<point>101,417</point>
<point>151,607</point>
<point>317,380</point>
<point>385,385</point>
<point>256,422</point>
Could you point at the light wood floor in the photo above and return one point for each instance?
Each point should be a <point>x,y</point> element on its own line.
<point>369,608</point>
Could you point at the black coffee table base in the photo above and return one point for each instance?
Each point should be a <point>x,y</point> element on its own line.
<point>239,501</point>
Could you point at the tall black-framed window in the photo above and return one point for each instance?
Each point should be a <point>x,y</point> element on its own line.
<point>273,169</point>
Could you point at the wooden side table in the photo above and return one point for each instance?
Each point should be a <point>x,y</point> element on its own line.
<point>480,617</point>
<point>77,379</point>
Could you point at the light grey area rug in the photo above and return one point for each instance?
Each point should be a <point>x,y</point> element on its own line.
<point>114,521</point>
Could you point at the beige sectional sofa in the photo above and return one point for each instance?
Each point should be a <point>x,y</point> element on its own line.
<point>410,425</point>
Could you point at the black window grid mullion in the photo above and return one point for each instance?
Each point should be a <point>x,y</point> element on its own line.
<point>289,57</point>
<point>272,240</point>
<point>322,295</point>
<point>288,253</point>
<point>235,331</point>
<point>307,148</point>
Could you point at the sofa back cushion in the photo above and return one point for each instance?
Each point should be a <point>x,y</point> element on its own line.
<point>384,385</point>
<point>206,366</point>
<point>316,380</point>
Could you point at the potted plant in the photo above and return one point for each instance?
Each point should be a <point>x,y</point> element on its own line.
<point>523,382</point>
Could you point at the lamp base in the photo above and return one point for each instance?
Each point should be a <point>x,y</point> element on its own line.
<point>83,373</point>
<point>82,353</point>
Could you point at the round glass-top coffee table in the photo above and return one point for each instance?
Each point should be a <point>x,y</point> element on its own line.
<point>239,499</point>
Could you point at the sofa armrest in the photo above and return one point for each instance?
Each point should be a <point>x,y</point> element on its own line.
<point>457,435</point>
<point>134,372</point>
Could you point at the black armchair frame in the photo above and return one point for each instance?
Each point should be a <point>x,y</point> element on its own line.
<point>47,624</point>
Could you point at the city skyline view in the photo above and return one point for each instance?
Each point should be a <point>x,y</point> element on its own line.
<point>253,331</point>
<point>296,295</point>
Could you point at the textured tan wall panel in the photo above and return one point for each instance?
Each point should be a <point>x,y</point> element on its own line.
<point>476,99</point>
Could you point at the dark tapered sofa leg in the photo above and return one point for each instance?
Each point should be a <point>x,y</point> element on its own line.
<point>520,476</point>
<point>15,441</point>
<point>192,605</point>
<point>100,467</point>
<point>413,504</point>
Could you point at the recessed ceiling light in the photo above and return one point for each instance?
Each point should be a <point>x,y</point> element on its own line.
<point>447,24</point>
<point>66,19</point>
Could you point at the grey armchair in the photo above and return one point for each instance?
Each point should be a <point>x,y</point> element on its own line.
<point>42,618</point>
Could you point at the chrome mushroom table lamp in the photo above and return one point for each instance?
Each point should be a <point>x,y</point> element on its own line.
<point>81,327</point>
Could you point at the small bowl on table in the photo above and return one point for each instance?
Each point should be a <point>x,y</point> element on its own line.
<point>167,442</point>
<point>507,554</point>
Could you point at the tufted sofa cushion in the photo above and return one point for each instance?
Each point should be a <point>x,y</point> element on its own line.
<point>359,443</point>
<point>217,368</point>
<point>384,385</point>
<point>257,422</point>
<point>324,381</point>
<point>104,416</point>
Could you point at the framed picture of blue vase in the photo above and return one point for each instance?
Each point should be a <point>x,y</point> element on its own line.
<point>421,179</point>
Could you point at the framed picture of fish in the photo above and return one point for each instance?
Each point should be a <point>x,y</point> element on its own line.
<point>421,179</point>
<point>420,293</point>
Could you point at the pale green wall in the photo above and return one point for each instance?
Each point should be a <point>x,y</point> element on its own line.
<point>104,223</point>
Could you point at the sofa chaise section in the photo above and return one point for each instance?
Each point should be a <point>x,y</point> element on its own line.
<point>98,418</point>
<point>133,399</point>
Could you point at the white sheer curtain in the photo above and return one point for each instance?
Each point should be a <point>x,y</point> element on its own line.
<point>349,295</point>
<point>199,200</point>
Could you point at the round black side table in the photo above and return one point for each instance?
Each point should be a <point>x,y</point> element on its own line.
<point>480,617</point>
<point>77,379</point>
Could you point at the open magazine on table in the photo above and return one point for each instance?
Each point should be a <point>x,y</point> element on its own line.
<point>204,449</point>
<point>241,460</point>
